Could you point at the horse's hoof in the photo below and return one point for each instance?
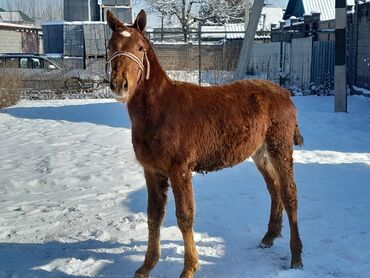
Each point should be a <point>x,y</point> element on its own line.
<point>296,265</point>
<point>265,244</point>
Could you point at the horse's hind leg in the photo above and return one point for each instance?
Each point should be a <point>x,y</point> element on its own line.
<point>281,154</point>
<point>157,187</point>
<point>264,165</point>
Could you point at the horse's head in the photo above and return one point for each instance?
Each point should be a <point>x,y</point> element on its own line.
<point>127,60</point>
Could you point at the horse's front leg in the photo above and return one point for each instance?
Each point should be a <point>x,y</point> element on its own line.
<point>157,187</point>
<point>183,192</point>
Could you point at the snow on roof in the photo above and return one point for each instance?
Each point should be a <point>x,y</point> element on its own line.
<point>235,27</point>
<point>73,22</point>
<point>269,15</point>
<point>228,31</point>
<point>14,16</point>
<point>213,32</point>
<point>10,16</point>
<point>19,26</point>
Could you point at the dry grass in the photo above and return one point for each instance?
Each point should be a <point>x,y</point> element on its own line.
<point>10,84</point>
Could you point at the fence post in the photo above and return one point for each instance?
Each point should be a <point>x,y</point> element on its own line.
<point>199,52</point>
<point>162,28</point>
<point>282,23</point>
<point>354,47</point>
<point>340,82</point>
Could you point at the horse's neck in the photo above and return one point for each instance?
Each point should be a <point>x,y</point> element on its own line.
<point>158,79</point>
<point>144,103</point>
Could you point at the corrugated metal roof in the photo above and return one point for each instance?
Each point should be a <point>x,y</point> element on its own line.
<point>269,15</point>
<point>213,32</point>
<point>236,31</point>
<point>234,27</point>
<point>325,7</point>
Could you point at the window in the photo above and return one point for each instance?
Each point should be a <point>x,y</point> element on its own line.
<point>48,65</point>
<point>11,62</point>
<point>36,63</point>
<point>23,63</point>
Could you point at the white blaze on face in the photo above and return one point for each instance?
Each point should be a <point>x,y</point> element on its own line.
<point>126,33</point>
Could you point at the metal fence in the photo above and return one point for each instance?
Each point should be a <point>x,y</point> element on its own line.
<point>323,60</point>
<point>301,63</point>
<point>298,62</point>
<point>200,49</point>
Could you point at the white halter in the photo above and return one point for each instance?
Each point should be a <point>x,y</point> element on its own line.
<point>138,61</point>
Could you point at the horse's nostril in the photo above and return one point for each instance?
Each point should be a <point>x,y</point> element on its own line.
<point>125,84</point>
<point>113,84</point>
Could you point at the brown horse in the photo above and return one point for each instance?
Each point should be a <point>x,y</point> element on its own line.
<point>178,127</point>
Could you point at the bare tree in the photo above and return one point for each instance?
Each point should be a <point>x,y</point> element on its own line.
<point>221,11</point>
<point>182,10</point>
<point>190,12</point>
<point>39,10</point>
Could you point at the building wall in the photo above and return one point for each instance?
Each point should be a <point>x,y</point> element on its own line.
<point>94,39</point>
<point>13,41</point>
<point>53,38</point>
<point>125,15</point>
<point>30,42</point>
<point>363,47</point>
<point>73,38</point>
<point>78,10</point>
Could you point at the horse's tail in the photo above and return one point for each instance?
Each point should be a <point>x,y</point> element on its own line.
<point>298,138</point>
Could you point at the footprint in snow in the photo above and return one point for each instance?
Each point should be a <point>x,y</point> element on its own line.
<point>44,166</point>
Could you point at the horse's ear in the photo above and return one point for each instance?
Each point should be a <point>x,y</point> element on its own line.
<point>113,22</point>
<point>140,21</point>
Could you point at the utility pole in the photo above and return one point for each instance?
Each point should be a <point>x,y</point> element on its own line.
<point>246,50</point>
<point>340,81</point>
<point>246,17</point>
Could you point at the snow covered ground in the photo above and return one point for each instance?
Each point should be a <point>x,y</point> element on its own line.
<point>73,198</point>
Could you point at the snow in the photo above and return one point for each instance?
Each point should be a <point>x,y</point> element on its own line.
<point>62,22</point>
<point>23,26</point>
<point>363,91</point>
<point>73,198</point>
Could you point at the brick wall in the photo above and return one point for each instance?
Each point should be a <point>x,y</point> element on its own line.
<point>186,56</point>
<point>182,57</point>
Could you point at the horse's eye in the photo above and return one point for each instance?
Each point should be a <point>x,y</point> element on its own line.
<point>141,48</point>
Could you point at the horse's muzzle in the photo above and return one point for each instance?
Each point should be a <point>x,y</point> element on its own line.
<point>119,87</point>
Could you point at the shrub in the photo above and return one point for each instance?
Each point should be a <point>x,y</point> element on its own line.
<point>10,84</point>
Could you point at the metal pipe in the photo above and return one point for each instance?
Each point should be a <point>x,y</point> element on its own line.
<point>200,52</point>
<point>89,10</point>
